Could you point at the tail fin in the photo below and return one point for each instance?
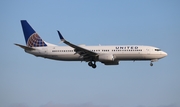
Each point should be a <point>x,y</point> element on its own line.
<point>31,37</point>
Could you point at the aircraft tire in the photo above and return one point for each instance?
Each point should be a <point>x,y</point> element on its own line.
<point>94,66</point>
<point>151,64</point>
<point>90,63</point>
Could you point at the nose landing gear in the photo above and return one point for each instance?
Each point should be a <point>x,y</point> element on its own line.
<point>153,60</point>
<point>151,64</point>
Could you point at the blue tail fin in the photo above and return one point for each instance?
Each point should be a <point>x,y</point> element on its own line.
<point>31,37</point>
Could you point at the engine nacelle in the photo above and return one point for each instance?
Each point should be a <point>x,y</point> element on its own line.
<point>105,58</point>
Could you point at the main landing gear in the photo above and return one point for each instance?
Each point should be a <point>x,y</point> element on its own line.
<point>91,64</point>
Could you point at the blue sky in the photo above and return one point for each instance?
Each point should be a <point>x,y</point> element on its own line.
<point>28,81</point>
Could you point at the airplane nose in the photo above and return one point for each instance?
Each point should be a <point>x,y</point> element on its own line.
<point>164,54</point>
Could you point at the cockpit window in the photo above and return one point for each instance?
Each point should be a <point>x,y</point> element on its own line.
<point>157,49</point>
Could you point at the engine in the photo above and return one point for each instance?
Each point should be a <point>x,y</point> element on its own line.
<point>106,58</point>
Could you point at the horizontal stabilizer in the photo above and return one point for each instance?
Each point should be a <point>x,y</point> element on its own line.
<point>24,47</point>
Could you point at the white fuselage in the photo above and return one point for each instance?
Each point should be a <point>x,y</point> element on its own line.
<point>108,55</point>
<point>123,52</point>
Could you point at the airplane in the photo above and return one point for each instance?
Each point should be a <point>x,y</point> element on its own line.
<point>108,55</point>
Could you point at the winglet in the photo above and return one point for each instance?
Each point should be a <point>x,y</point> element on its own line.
<point>61,37</point>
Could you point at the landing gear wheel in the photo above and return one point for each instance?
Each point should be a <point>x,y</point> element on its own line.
<point>90,63</point>
<point>151,64</point>
<point>93,65</point>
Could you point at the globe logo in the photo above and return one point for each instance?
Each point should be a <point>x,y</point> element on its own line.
<point>35,41</point>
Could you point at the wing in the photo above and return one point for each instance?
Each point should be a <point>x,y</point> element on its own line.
<point>85,53</point>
